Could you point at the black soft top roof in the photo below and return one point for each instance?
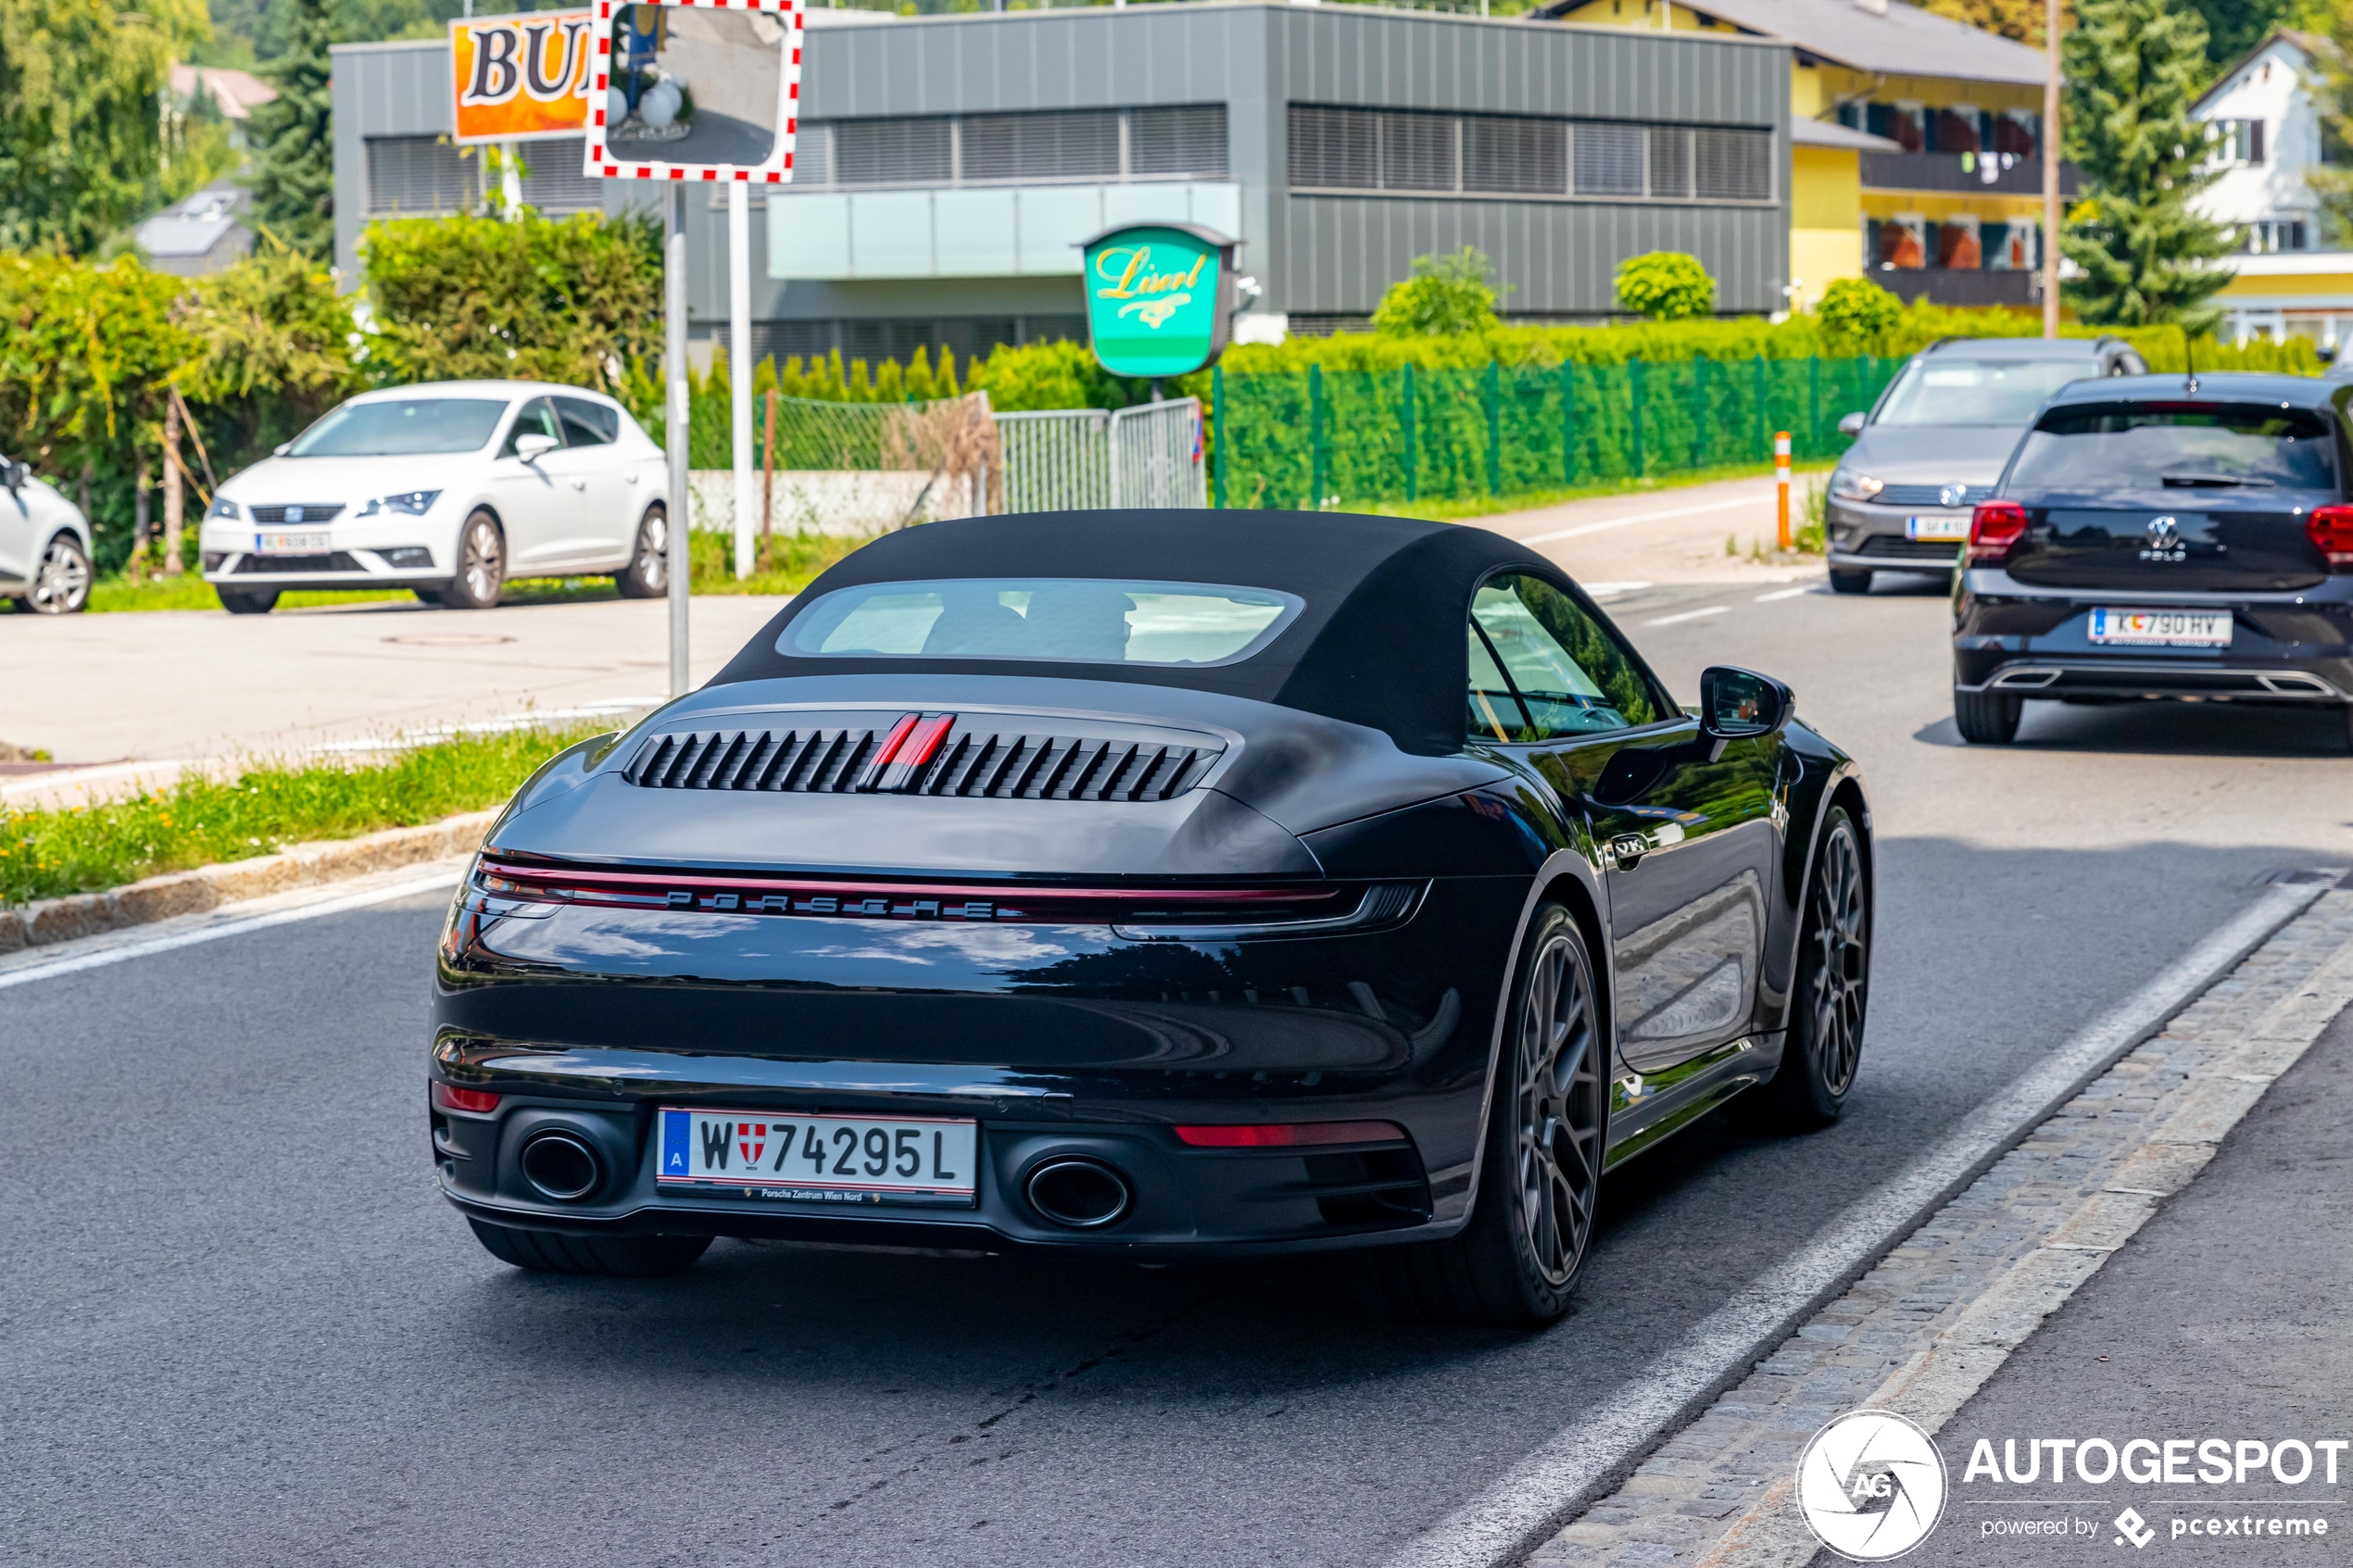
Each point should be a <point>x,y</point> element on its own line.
<point>1380,642</point>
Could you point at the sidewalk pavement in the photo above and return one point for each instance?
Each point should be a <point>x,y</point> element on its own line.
<point>1662,536</point>
<point>157,688</point>
<point>2224,1317</point>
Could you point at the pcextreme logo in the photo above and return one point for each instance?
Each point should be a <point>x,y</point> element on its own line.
<point>1871,1486</point>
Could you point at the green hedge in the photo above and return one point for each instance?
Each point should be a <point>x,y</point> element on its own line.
<point>1301,438</point>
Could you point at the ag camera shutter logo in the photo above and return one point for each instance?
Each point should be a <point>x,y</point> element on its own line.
<point>1871,1486</point>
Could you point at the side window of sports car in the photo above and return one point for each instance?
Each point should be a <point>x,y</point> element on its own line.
<point>1541,668</point>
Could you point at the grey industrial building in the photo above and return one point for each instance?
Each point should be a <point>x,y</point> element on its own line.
<point>947,164</point>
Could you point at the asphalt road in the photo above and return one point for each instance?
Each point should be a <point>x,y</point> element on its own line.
<point>236,1324</point>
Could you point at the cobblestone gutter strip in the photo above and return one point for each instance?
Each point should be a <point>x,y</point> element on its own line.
<point>1924,1329</point>
<point>207,887</point>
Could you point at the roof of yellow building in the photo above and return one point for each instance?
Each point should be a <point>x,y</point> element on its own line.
<point>1897,40</point>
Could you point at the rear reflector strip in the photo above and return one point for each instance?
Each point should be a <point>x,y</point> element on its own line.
<point>448,1096</point>
<point>1289,1134</point>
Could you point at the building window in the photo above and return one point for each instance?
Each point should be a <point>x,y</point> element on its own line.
<point>1343,149</point>
<point>2237,141</point>
<point>419,175</point>
<point>1043,147</point>
<point>2272,234</point>
<point>554,180</point>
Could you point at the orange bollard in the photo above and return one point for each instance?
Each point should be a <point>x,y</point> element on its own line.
<point>1781,480</point>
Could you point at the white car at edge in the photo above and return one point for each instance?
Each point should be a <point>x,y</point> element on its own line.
<point>449,488</point>
<point>45,544</point>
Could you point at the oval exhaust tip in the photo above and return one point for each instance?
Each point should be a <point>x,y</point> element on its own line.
<point>1081,1194</point>
<point>562,1167</point>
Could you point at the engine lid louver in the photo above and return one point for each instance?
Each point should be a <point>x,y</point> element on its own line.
<point>927,753</point>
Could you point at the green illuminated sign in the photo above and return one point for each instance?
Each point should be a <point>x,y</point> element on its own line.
<point>1159,297</point>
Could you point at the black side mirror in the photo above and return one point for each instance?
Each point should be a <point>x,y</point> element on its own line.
<point>1738,704</point>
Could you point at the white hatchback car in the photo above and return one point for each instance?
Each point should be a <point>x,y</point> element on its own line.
<point>448,489</point>
<point>44,544</point>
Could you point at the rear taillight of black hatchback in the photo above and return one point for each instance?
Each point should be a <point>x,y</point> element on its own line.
<point>2330,530</point>
<point>1995,529</point>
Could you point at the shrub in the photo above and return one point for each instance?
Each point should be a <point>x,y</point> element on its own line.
<point>1857,314</point>
<point>1666,285</point>
<point>1446,296</point>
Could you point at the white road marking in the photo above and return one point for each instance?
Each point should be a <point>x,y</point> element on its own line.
<point>1590,1455</point>
<point>1688,615</point>
<point>97,952</point>
<point>1784,594</point>
<point>1605,589</point>
<point>1631,519</point>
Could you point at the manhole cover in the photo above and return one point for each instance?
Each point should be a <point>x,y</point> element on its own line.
<point>449,640</point>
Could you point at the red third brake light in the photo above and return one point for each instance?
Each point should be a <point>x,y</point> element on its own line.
<point>1994,530</point>
<point>2330,530</point>
<point>448,1096</point>
<point>1289,1134</point>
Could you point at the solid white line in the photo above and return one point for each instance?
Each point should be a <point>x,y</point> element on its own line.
<point>1688,615</point>
<point>1784,594</point>
<point>1601,1447</point>
<point>1630,520</point>
<point>1604,590</point>
<point>334,906</point>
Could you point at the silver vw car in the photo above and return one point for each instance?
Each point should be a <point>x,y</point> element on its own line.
<point>1933,445</point>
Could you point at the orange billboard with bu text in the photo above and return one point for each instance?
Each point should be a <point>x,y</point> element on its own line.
<point>520,77</point>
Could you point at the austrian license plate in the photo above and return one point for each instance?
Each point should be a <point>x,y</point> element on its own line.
<point>1933,525</point>
<point>2162,628</point>
<point>919,1159</point>
<point>304,544</point>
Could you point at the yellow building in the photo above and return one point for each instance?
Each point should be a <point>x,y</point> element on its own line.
<point>1916,147</point>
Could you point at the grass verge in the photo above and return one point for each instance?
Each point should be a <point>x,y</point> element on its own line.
<point>793,558</point>
<point>49,853</point>
<point>1533,501</point>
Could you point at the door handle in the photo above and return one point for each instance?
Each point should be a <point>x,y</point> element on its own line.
<point>1627,849</point>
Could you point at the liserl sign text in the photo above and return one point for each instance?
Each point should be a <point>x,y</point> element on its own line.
<point>1158,298</point>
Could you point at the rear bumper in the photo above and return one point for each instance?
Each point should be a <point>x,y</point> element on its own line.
<point>2294,647</point>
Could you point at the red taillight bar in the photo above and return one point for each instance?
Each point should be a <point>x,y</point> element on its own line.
<point>1289,1134</point>
<point>1995,529</point>
<point>2330,530</point>
<point>448,1096</point>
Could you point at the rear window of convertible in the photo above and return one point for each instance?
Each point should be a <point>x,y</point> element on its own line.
<point>1060,619</point>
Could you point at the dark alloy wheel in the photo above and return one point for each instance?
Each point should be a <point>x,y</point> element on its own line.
<point>482,565</point>
<point>1540,1181</point>
<point>649,573</point>
<point>1987,718</point>
<point>623,1256</point>
<point>1831,997</point>
<point>1846,581</point>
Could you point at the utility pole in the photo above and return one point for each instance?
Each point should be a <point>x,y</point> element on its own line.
<point>739,361</point>
<point>2051,168</point>
<point>679,512</point>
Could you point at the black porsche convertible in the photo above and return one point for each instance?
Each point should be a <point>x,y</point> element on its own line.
<point>1168,885</point>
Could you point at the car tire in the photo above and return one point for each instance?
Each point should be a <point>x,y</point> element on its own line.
<point>1846,581</point>
<point>482,565</point>
<point>1829,992</point>
<point>427,595</point>
<point>1987,718</point>
<point>647,576</point>
<point>248,601</point>
<point>618,1257</point>
<point>60,582</point>
<point>1533,1213</point>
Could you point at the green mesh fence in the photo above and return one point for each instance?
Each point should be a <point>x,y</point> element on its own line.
<point>1307,438</point>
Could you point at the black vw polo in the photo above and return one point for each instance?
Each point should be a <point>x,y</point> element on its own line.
<point>1162,883</point>
<point>2164,537</point>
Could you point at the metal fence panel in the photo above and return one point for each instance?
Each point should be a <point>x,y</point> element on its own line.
<point>1076,458</point>
<point>1157,455</point>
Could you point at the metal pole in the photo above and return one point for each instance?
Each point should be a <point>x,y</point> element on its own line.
<point>740,359</point>
<point>680,510</point>
<point>2050,168</point>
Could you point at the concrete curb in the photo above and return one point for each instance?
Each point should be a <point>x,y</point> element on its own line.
<point>207,887</point>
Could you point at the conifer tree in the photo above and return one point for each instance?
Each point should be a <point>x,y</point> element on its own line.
<point>2133,70</point>
<point>293,185</point>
